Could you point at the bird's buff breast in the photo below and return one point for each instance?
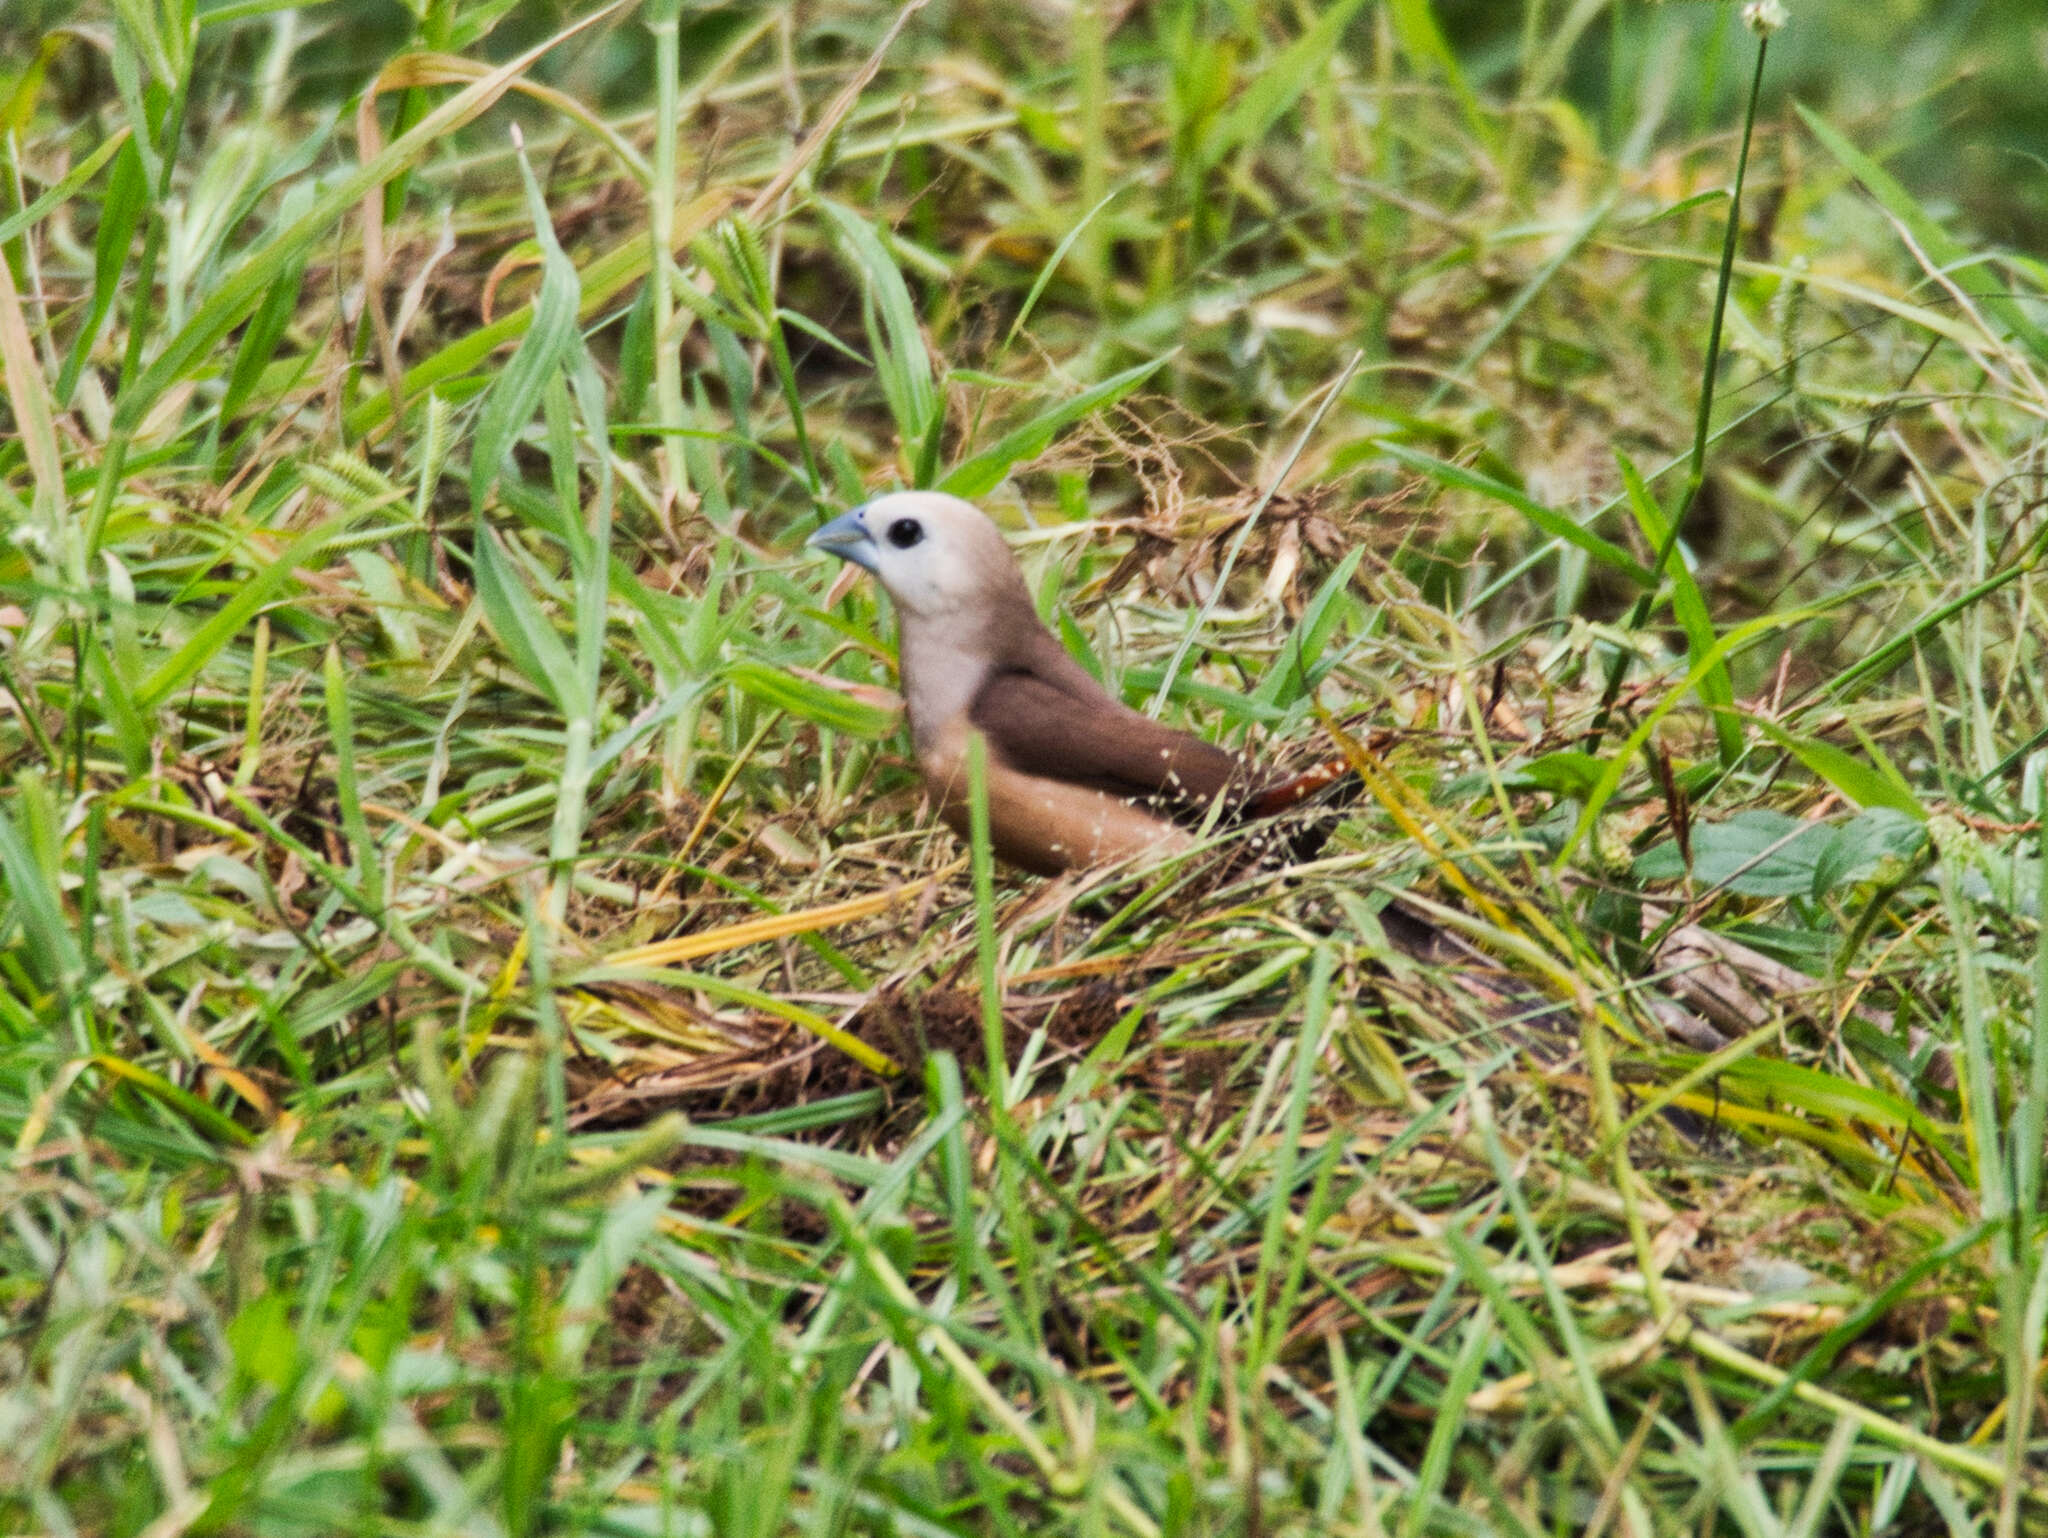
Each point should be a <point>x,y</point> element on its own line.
<point>1043,825</point>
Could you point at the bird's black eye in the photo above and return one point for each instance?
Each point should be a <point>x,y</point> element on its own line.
<point>905,532</point>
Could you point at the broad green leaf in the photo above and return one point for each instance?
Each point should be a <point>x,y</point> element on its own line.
<point>123,635</point>
<point>1567,772</point>
<point>677,701</point>
<point>1877,844</point>
<point>1756,853</point>
<point>636,358</point>
<point>593,553</point>
<point>586,523</point>
<point>798,321</point>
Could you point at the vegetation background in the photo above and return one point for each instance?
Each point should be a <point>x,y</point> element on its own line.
<point>489,1042</point>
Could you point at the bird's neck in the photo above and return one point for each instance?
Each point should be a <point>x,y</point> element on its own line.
<point>943,663</point>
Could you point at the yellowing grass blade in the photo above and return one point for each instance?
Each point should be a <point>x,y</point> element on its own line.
<point>776,926</point>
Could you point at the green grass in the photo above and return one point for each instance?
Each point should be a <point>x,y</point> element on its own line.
<point>489,1041</point>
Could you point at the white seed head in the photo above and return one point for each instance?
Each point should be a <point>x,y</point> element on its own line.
<point>1763,17</point>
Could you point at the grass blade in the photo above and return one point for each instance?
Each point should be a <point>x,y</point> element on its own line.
<point>1547,520</point>
<point>978,476</point>
<point>1688,605</point>
<point>522,629</point>
<point>901,362</point>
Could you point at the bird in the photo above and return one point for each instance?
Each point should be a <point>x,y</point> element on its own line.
<point>1074,777</point>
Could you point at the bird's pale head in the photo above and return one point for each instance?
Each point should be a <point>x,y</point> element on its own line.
<point>933,553</point>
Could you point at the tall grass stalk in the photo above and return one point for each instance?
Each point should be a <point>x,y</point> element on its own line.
<point>1728,733</point>
<point>661,18</point>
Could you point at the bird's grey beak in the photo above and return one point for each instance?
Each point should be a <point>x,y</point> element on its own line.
<point>846,537</point>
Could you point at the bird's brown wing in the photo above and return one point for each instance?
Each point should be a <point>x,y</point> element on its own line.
<point>1045,721</point>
